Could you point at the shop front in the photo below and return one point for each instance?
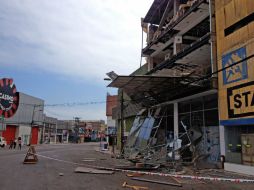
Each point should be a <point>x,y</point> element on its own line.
<point>234,28</point>
<point>177,122</point>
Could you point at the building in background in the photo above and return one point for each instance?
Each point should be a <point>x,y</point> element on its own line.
<point>49,125</point>
<point>94,130</point>
<point>129,111</point>
<point>64,128</point>
<point>27,121</point>
<point>235,45</point>
<point>111,102</point>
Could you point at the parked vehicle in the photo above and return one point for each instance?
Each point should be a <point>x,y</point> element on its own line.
<point>2,142</point>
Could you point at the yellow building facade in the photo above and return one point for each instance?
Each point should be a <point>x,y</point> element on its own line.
<point>235,59</point>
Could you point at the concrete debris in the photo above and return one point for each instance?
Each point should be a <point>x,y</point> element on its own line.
<point>92,171</point>
<point>134,175</point>
<point>125,185</point>
<point>89,160</point>
<point>157,182</point>
<point>151,141</point>
<point>144,168</point>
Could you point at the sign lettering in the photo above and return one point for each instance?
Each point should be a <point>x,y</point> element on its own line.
<point>9,98</point>
<point>241,100</point>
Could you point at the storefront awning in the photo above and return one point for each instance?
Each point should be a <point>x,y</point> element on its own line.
<point>151,90</point>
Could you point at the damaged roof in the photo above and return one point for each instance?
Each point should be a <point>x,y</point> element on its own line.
<point>151,90</point>
<point>156,11</point>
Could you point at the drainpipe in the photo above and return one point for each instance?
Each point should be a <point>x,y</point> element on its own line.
<point>122,127</point>
<point>211,40</point>
<point>55,133</point>
<point>43,133</point>
<point>32,122</point>
<point>213,43</point>
<point>176,123</point>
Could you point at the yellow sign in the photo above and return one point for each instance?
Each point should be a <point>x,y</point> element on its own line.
<point>241,100</point>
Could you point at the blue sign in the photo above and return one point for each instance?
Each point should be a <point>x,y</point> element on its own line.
<point>237,72</point>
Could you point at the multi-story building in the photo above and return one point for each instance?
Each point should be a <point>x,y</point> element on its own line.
<point>26,122</point>
<point>178,94</point>
<point>111,102</point>
<point>49,126</point>
<point>90,130</point>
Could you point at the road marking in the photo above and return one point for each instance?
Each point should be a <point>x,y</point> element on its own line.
<point>222,179</point>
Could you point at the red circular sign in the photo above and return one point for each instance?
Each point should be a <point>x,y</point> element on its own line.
<point>9,98</point>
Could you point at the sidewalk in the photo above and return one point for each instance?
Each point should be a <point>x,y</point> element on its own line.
<point>107,151</point>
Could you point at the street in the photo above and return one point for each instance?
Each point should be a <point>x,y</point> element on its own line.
<point>45,175</point>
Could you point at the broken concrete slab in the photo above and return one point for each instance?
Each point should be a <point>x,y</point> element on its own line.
<point>87,160</point>
<point>92,171</point>
<point>157,182</point>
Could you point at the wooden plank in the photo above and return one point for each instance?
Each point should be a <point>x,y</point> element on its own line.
<point>219,4</point>
<point>230,14</point>
<point>229,42</point>
<point>88,160</point>
<point>177,180</point>
<point>157,182</point>
<point>225,2</point>
<point>240,9</point>
<point>244,34</point>
<point>220,20</point>
<point>250,62</point>
<point>251,29</point>
<point>250,6</point>
<point>220,26</point>
<point>233,39</point>
<point>92,171</point>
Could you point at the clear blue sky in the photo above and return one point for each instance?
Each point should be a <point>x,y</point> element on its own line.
<point>60,50</point>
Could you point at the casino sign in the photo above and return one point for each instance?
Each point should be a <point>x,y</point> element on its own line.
<point>9,98</point>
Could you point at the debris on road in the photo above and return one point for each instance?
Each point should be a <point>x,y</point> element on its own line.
<point>88,160</point>
<point>61,174</point>
<point>157,182</point>
<point>146,167</point>
<point>148,143</point>
<point>125,185</point>
<point>134,175</point>
<point>92,171</point>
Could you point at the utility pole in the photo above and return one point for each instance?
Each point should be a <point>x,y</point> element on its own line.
<point>32,122</point>
<point>121,123</point>
<point>56,133</point>
<point>76,128</point>
<point>2,127</point>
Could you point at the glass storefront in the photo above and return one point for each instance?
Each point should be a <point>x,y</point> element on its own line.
<point>200,116</point>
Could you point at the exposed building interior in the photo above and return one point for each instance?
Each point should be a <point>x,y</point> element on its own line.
<point>179,120</point>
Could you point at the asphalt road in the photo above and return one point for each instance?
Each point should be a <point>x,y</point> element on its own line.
<point>44,175</point>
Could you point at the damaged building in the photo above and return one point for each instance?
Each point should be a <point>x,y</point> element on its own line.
<point>177,95</point>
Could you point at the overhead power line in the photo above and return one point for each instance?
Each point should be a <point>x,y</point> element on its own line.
<point>73,104</point>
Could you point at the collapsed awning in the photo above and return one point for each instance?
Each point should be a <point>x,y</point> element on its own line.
<point>151,90</point>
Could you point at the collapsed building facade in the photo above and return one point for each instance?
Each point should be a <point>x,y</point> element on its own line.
<point>177,96</point>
